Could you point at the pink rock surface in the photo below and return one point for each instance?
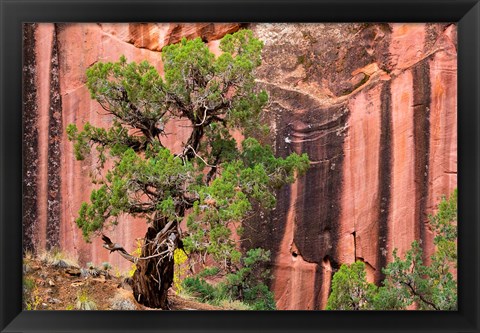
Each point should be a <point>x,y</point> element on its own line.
<point>80,46</point>
<point>374,106</point>
<point>44,37</point>
<point>398,82</point>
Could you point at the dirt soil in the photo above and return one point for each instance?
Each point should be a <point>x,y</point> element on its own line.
<point>57,288</point>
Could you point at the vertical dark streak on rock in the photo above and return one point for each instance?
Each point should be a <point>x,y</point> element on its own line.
<point>30,140</point>
<point>421,137</point>
<point>317,300</point>
<point>278,219</point>
<point>319,197</point>
<point>384,178</point>
<point>276,226</point>
<point>132,32</point>
<point>267,228</point>
<point>320,132</point>
<point>54,152</point>
<point>313,229</point>
<point>354,234</point>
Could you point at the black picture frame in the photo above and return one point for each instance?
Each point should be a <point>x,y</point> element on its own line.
<point>16,12</point>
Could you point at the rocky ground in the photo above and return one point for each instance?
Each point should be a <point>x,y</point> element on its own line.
<point>57,284</point>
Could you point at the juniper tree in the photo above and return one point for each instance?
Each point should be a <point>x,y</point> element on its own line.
<point>213,181</point>
<point>350,289</point>
<point>409,280</point>
<point>433,286</point>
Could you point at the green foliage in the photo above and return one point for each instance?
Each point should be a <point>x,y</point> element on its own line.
<point>409,280</point>
<point>28,284</point>
<point>131,92</point>
<point>350,289</point>
<point>444,224</point>
<point>199,288</point>
<point>245,285</point>
<point>159,170</point>
<point>106,266</point>
<point>431,287</point>
<point>84,302</point>
<point>215,95</point>
<point>389,297</point>
<point>213,181</point>
<point>209,271</point>
<point>252,177</point>
<point>31,294</point>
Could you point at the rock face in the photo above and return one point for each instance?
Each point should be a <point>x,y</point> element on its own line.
<point>373,105</point>
<point>57,56</point>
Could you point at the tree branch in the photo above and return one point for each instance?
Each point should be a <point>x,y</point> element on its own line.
<point>114,247</point>
<point>414,292</point>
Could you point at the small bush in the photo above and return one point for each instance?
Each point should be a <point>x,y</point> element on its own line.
<point>234,305</point>
<point>260,298</point>
<point>31,297</point>
<point>242,289</point>
<point>181,268</point>
<point>408,280</point>
<point>90,270</point>
<point>84,302</point>
<point>28,284</point>
<point>106,266</point>
<point>209,271</point>
<point>58,259</point>
<point>247,284</point>
<point>199,288</point>
<point>132,270</point>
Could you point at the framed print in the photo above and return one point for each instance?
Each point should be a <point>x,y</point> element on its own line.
<point>199,166</point>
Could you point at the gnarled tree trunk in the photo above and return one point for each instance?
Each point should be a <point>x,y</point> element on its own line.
<point>154,268</point>
<point>153,277</point>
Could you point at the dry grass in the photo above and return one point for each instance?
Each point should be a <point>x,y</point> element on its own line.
<point>58,259</point>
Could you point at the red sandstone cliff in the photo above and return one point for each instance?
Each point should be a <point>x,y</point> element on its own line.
<point>374,106</point>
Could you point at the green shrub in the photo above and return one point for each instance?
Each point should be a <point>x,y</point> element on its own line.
<point>260,298</point>
<point>408,280</point>
<point>241,289</point>
<point>234,305</point>
<point>106,266</point>
<point>247,284</point>
<point>199,288</point>
<point>28,284</point>
<point>84,302</point>
<point>209,271</point>
<point>58,259</point>
<point>350,289</point>
<point>31,295</point>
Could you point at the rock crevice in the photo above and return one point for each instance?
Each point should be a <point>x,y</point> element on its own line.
<point>55,131</point>
<point>30,141</point>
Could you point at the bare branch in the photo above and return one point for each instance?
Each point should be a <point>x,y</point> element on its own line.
<point>114,247</point>
<point>422,298</point>
<point>190,147</point>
